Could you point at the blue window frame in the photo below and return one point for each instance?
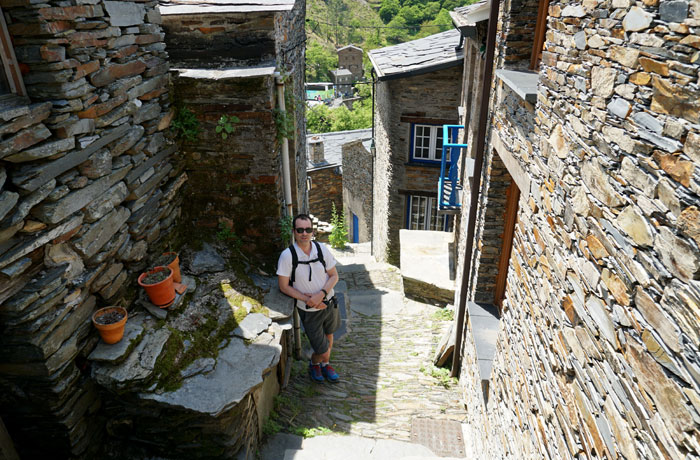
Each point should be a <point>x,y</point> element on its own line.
<point>426,143</point>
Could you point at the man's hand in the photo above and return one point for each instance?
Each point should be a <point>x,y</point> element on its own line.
<point>316,300</point>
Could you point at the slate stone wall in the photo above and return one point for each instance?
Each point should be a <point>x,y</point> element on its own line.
<point>326,188</point>
<point>88,186</point>
<point>434,97</point>
<point>290,31</point>
<point>357,188</point>
<point>516,32</point>
<point>234,182</point>
<point>383,176</point>
<point>237,182</point>
<point>597,354</point>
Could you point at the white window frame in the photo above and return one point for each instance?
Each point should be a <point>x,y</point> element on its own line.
<point>434,153</point>
<point>427,205</point>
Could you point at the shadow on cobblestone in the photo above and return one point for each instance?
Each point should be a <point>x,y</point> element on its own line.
<point>385,364</point>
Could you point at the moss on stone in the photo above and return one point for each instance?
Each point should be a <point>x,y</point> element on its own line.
<point>166,365</point>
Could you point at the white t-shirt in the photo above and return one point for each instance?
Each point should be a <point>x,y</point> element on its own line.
<point>301,280</point>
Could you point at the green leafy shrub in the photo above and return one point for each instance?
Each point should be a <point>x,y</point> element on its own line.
<point>226,125</point>
<point>227,234</point>
<point>286,229</point>
<point>339,235</point>
<point>185,124</point>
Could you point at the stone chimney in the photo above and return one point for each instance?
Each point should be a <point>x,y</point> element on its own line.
<point>316,149</point>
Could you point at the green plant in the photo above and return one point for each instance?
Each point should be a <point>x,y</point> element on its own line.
<point>227,234</point>
<point>284,125</point>
<point>339,235</point>
<point>286,229</point>
<point>186,124</point>
<point>441,374</point>
<point>271,427</point>
<point>226,125</point>
<point>311,432</point>
<point>444,315</point>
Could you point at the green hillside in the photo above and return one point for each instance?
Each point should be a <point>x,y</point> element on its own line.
<point>331,24</point>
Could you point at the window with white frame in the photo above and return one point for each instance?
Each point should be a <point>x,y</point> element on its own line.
<point>423,215</point>
<point>427,143</point>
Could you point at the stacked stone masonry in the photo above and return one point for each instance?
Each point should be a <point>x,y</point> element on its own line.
<point>431,98</point>
<point>88,185</point>
<point>236,183</point>
<point>326,188</point>
<point>597,354</point>
<point>357,189</point>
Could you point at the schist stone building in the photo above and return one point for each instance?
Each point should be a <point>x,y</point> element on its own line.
<point>350,58</point>
<point>94,184</point>
<point>578,238</point>
<point>417,91</point>
<point>326,168</point>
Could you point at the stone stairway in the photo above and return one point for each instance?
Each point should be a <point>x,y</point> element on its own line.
<point>387,378</point>
<point>284,446</point>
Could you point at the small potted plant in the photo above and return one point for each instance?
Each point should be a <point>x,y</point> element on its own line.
<point>171,260</point>
<point>110,322</point>
<point>159,285</point>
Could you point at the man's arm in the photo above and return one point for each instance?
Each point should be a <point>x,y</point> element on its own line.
<point>316,300</point>
<point>283,283</point>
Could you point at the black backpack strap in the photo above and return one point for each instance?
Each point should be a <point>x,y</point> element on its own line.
<point>319,253</point>
<point>295,264</point>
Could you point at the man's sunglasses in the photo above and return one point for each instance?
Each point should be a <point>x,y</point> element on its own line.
<point>302,230</point>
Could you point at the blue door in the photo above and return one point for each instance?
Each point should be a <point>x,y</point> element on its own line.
<point>355,229</point>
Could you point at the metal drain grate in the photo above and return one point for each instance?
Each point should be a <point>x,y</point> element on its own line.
<point>443,437</point>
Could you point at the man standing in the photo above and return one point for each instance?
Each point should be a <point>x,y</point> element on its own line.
<point>308,275</point>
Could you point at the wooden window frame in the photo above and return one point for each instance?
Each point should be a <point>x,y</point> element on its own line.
<point>9,61</point>
<point>540,31</point>
<point>510,218</point>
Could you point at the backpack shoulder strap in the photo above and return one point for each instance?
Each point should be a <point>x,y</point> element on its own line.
<point>295,264</point>
<point>319,253</point>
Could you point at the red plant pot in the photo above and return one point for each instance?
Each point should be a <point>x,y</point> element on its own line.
<point>161,294</point>
<point>175,266</point>
<point>113,332</point>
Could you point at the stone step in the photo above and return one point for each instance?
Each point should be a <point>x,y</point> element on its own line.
<point>340,447</point>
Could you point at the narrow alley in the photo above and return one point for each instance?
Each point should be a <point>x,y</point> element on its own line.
<point>384,353</point>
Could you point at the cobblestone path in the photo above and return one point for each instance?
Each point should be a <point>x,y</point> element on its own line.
<point>384,360</point>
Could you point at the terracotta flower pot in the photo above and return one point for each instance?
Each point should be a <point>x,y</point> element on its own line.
<point>175,266</point>
<point>112,332</point>
<point>162,293</point>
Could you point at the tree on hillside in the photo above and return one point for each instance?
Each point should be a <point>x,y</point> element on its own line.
<point>388,10</point>
<point>398,32</point>
<point>319,61</point>
<point>412,14</point>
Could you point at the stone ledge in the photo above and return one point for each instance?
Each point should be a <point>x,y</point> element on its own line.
<point>225,74</point>
<point>524,84</point>
<point>484,322</point>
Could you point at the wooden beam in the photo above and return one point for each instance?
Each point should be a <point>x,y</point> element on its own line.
<point>510,219</point>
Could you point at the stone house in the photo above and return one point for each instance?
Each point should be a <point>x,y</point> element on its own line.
<point>350,58</point>
<point>578,250</point>
<point>342,81</point>
<point>239,176</point>
<point>93,186</point>
<point>417,91</point>
<point>357,189</point>
<point>325,169</point>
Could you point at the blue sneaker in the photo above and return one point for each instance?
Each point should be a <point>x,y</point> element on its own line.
<point>315,373</point>
<point>329,373</point>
